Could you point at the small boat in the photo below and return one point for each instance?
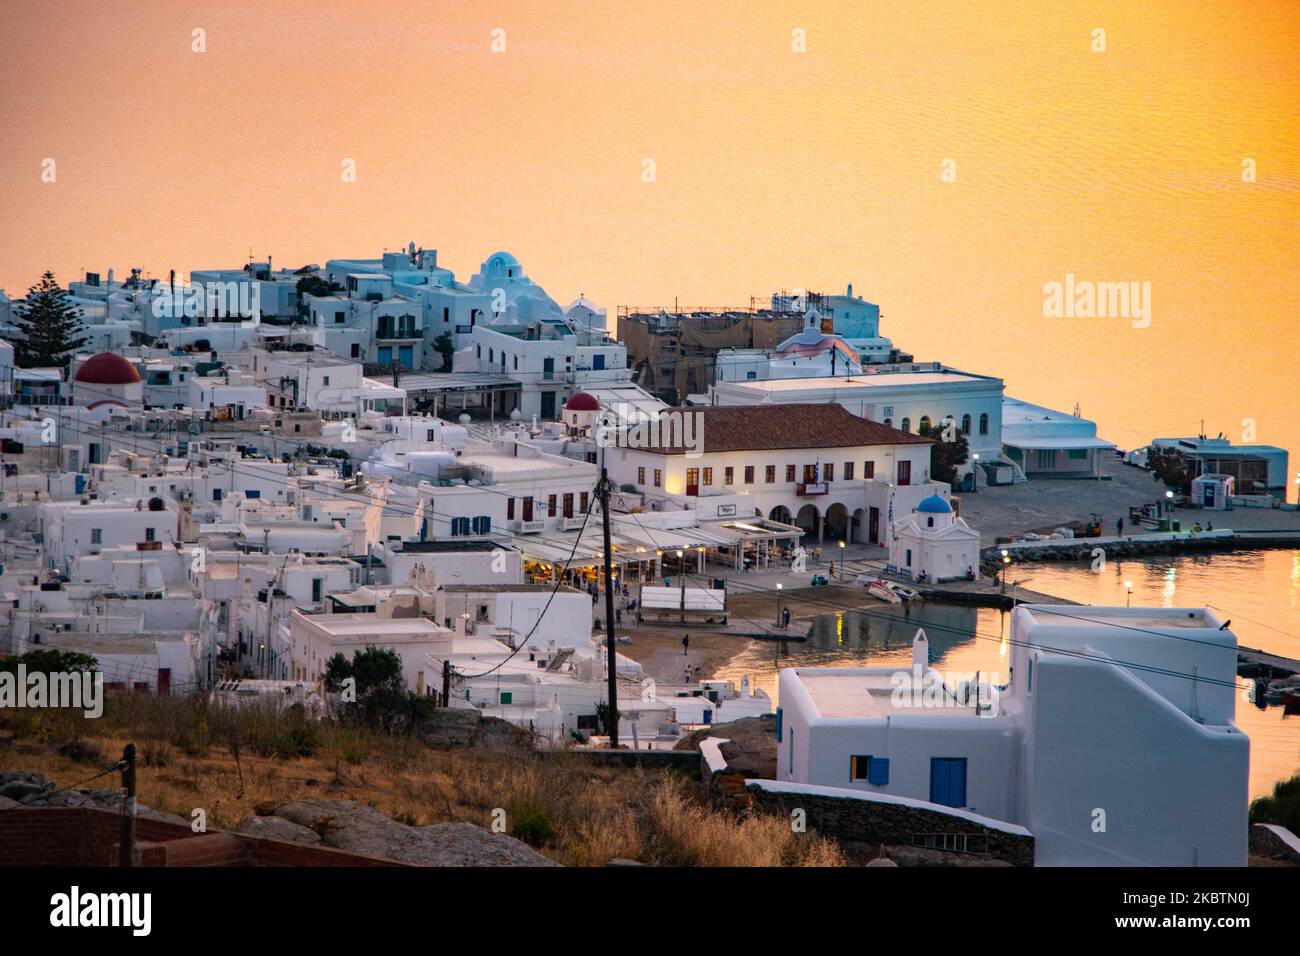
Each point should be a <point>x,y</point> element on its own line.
<point>889,591</point>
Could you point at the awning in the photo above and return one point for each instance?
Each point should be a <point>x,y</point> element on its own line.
<point>1056,444</point>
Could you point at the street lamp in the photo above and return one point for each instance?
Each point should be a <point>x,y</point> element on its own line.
<point>778,603</point>
<point>1128,587</point>
<point>1006,560</point>
<point>681,574</point>
<point>974,472</point>
<point>841,560</point>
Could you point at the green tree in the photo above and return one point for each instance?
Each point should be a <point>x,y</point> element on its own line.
<point>444,347</point>
<point>382,699</point>
<point>50,326</point>
<point>49,661</point>
<point>1172,467</point>
<point>946,456</point>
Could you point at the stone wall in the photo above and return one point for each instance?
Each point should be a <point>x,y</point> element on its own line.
<point>879,823</point>
<point>1080,549</point>
<point>89,836</point>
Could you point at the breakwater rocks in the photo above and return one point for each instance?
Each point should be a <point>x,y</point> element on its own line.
<point>1086,549</point>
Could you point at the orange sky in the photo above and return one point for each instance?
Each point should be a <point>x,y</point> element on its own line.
<point>773,168</point>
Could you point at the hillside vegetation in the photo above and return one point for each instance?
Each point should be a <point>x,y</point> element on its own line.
<point>229,761</point>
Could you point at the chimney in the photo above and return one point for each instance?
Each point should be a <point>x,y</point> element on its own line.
<point>920,652</point>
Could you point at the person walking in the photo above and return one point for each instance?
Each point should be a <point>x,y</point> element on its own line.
<point>1120,525</point>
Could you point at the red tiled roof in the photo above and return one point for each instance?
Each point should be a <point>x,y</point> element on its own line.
<point>776,427</point>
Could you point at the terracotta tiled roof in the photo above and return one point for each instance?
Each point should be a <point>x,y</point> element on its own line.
<point>775,427</point>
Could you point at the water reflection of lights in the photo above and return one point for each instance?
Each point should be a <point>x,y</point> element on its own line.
<point>1171,585</point>
<point>839,627</point>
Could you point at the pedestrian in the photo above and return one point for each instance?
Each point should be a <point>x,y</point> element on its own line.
<point>686,644</point>
<point>618,616</point>
<point>1120,524</point>
<point>785,617</point>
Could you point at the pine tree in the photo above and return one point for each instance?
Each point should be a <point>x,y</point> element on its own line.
<point>50,326</point>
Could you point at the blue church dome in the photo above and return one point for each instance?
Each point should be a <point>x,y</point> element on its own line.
<point>934,505</point>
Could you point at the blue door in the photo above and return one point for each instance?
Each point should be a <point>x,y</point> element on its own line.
<point>948,781</point>
<point>406,355</point>
<point>386,355</point>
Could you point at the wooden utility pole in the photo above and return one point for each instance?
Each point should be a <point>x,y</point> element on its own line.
<point>602,491</point>
<point>128,806</point>
<point>446,683</point>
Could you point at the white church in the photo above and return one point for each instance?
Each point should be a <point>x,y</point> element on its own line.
<point>933,544</point>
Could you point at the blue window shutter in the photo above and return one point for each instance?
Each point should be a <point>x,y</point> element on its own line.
<point>779,715</point>
<point>878,771</point>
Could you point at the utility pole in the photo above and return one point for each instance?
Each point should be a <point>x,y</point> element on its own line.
<point>128,806</point>
<point>602,490</point>
<point>446,683</point>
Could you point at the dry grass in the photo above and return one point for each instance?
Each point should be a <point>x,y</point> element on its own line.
<point>227,763</point>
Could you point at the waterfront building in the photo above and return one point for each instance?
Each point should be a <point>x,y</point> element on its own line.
<point>1042,442</point>
<point>1255,469</point>
<point>905,397</point>
<point>832,473</point>
<point>933,544</point>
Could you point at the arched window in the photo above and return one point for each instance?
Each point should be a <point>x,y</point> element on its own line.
<point>906,425</point>
<point>984,423</point>
<point>925,423</point>
<point>889,423</point>
<point>965,424</point>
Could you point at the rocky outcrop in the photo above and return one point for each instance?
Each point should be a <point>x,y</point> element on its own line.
<point>357,828</point>
<point>34,790</point>
<point>451,728</point>
<point>750,748</point>
<point>278,828</point>
<point>1274,842</point>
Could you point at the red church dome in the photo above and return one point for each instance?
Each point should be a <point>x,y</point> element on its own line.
<point>582,402</point>
<point>107,368</point>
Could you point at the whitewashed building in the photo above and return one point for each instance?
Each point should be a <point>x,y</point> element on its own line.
<point>1042,442</point>
<point>905,397</point>
<point>1111,737</point>
<point>932,544</point>
<point>833,473</point>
